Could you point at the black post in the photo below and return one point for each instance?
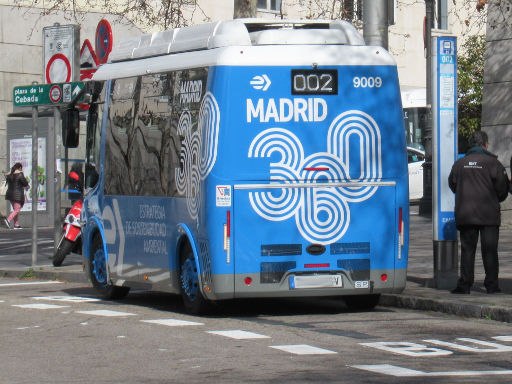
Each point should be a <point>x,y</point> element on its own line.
<point>35,182</point>
<point>425,206</point>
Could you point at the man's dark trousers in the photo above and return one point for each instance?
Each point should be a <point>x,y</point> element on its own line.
<point>489,236</point>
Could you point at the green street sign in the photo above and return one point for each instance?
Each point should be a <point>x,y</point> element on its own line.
<point>45,94</point>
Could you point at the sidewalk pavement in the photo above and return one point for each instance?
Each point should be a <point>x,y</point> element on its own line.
<point>419,293</point>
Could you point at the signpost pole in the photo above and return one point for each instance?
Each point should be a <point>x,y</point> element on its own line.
<point>57,218</point>
<point>35,183</point>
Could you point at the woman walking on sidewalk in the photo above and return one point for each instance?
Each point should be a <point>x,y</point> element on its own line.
<point>17,183</point>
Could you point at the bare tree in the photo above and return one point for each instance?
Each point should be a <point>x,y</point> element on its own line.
<point>349,10</point>
<point>146,14</point>
<point>244,8</point>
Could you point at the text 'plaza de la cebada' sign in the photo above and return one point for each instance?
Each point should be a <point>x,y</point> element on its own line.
<point>45,94</point>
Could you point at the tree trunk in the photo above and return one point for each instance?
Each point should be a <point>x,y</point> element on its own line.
<point>244,8</point>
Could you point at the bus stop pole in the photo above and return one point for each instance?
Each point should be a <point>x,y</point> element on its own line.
<point>35,183</point>
<point>57,224</point>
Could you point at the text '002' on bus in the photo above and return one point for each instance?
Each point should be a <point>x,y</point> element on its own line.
<point>244,159</point>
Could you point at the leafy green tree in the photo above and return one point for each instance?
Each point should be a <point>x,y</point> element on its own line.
<point>470,79</point>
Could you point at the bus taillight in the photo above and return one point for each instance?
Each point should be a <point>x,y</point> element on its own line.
<point>400,232</point>
<point>227,236</point>
<point>401,226</point>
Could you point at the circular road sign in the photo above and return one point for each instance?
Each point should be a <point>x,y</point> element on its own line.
<point>103,41</point>
<point>55,94</point>
<point>58,69</point>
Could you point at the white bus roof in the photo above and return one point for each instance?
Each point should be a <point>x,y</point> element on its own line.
<point>240,32</point>
<point>243,42</point>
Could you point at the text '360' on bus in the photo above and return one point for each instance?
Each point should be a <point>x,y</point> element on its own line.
<point>246,158</point>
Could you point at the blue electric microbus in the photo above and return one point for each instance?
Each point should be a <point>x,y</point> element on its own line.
<point>247,158</point>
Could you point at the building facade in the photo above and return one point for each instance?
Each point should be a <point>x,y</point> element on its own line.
<point>21,28</point>
<point>497,90</point>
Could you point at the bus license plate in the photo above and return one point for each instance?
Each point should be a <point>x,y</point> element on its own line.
<point>316,281</point>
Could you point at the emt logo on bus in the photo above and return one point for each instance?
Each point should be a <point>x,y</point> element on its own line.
<point>283,110</point>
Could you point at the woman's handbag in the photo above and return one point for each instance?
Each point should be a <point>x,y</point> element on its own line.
<point>3,187</point>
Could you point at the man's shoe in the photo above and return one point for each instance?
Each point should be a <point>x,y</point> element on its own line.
<point>490,291</point>
<point>7,223</point>
<point>460,291</point>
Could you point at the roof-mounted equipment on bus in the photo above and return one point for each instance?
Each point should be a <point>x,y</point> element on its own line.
<point>240,32</point>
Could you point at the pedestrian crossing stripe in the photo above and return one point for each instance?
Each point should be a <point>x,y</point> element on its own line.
<point>39,306</point>
<point>70,299</point>
<point>30,283</point>
<point>239,335</point>
<point>106,312</point>
<point>303,349</point>
<point>171,322</point>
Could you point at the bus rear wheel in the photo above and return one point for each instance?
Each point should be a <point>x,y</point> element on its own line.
<point>362,302</point>
<point>193,299</point>
<point>98,273</point>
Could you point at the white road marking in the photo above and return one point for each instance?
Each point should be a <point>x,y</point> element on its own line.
<point>393,370</point>
<point>29,283</point>
<point>492,347</point>
<point>240,335</point>
<point>39,306</point>
<point>503,338</point>
<point>70,299</point>
<point>106,312</point>
<point>171,322</point>
<point>303,349</point>
<point>407,349</point>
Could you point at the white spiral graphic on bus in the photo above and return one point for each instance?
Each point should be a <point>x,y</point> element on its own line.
<point>322,214</point>
<point>198,151</point>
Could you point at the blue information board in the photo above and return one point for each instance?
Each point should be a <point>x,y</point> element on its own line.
<point>444,119</point>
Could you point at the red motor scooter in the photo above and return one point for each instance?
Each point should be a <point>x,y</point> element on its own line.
<point>71,240</point>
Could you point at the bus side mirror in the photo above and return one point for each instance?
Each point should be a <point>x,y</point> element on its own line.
<point>70,128</point>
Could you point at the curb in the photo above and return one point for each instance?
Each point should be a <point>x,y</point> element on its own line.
<point>478,311</point>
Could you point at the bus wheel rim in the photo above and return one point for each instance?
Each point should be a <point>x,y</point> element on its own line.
<point>189,280</point>
<point>99,267</point>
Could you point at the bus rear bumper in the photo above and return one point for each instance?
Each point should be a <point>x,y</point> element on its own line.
<point>295,284</point>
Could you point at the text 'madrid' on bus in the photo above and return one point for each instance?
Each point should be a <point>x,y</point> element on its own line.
<point>247,158</point>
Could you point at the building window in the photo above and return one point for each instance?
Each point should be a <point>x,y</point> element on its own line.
<point>352,9</point>
<point>269,5</point>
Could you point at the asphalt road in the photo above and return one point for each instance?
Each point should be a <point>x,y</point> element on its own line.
<point>58,332</point>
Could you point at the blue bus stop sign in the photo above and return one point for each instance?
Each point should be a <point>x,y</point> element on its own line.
<point>444,119</point>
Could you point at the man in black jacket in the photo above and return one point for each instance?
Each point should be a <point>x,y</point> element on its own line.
<point>480,183</point>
